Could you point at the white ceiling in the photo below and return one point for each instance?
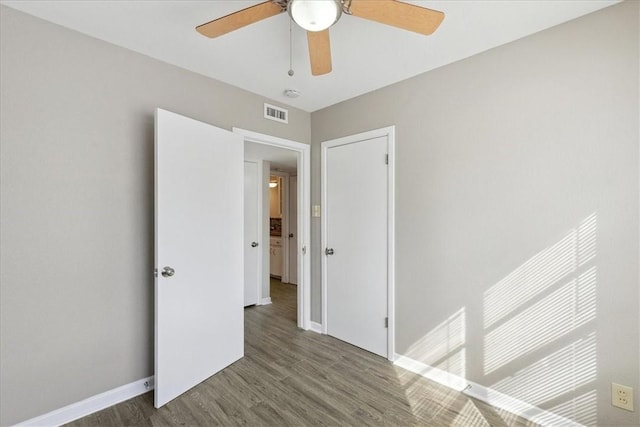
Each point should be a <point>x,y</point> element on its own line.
<point>366,55</point>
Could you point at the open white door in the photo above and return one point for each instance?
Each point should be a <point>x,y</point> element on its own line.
<point>199,322</point>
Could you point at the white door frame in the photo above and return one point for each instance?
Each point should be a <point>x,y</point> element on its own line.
<point>304,216</point>
<point>388,132</point>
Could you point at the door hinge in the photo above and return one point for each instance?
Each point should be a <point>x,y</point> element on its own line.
<point>386,322</point>
<point>386,159</point>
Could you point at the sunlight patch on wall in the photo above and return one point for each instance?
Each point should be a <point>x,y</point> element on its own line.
<point>569,307</point>
<point>543,314</point>
<point>526,310</point>
<point>443,346</point>
<point>531,278</point>
<point>455,363</point>
<point>582,409</point>
<point>541,271</point>
<point>567,369</point>
<point>587,240</point>
<point>540,348</point>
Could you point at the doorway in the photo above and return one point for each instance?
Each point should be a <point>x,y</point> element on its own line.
<point>265,144</point>
<point>283,221</point>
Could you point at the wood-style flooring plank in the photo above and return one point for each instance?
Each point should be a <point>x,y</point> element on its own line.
<point>291,377</point>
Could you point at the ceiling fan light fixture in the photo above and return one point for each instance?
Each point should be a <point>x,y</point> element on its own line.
<point>315,15</point>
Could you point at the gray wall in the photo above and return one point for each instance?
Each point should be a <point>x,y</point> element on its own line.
<point>517,213</point>
<point>77,206</point>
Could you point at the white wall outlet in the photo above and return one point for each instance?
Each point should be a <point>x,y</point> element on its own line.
<point>622,396</point>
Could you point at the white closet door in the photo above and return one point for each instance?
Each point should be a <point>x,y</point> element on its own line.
<point>356,242</point>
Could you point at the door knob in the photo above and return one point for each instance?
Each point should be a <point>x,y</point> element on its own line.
<point>291,235</point>
<point>254,244</point>
<point>168,272</point>
<point>328,251</point>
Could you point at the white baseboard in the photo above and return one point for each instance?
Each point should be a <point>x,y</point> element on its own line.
<point>486,394</point>
<point>434,374</point>
<point>265,301</point>
<point>92,404</point>
<point>316,327</point>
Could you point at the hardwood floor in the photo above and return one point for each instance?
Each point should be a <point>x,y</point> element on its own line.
<point>290,377</point>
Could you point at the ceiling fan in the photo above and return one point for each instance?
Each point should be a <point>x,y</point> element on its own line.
<point>316,16</point>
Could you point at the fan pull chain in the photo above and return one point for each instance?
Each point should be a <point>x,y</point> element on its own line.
<point>290,50</point>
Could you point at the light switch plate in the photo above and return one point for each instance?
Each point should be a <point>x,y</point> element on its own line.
<point>315,211</point>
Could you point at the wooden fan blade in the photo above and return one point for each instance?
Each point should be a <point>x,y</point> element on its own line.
<point>319,52</point>
<point>402,15</point>
<point>239,19</point>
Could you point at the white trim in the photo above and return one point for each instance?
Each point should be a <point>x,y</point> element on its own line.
<point>316,327</point>
<point>304,216</point>
<point>389,133</point>
<point>323,237</point>
<point>265,301</point>
<point>434,374</point>
<point>485,394</point>
<point>391,242</point>
<point>92,404</point>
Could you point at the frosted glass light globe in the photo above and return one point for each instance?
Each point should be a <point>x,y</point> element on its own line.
<point>315,15</point>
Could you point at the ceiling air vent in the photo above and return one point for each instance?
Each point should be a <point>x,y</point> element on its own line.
<point>278,114</point>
